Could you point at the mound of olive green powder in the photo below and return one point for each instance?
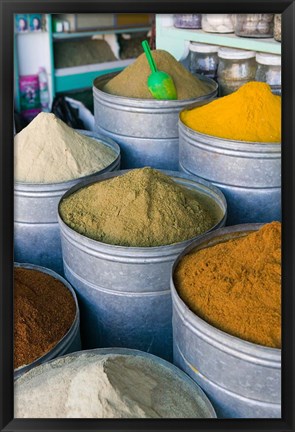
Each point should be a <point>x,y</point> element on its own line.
<point>49,151</point>
<point>141,208</point>
<point>132,81</point>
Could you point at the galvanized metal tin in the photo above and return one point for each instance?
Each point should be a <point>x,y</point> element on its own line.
<point>123,292</point>
<point>197,395</point>
<point>242,379</point>
<point>145,129</point>
<point>36,231</point>
<point>248,173</point>
<point>70,342</point>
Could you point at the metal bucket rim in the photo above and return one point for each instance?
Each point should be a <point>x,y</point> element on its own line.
<point>191,384</point>
<point>149,249</point>
<point>40,188</point>
<point>67,337</point>
<point>240,345</point>
<point>269,146</point>
<point>108,142</point>
<point>150,103</point>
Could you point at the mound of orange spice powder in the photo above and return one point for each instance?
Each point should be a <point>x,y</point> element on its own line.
<point>236,285</point>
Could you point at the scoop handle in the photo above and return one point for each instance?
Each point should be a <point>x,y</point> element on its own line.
<point>146,48</point>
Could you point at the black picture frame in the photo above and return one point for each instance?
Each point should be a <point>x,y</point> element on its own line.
<point>7,10</point>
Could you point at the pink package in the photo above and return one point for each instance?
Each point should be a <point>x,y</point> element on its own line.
<point>29,92</point>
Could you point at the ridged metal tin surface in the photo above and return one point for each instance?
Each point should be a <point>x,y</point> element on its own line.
<point>71,340</point>
<point>242,379</point>
<point>124,292</point>
<point>36,231</point>
<point>248,173</point>
<point>145,129</point>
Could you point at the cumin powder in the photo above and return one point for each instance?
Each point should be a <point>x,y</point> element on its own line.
<point>44,310</point>
<point>132,81</point>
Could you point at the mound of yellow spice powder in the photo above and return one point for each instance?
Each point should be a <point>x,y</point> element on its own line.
<point>141,208</point>
<point>132,81</point>
<point>252,113</point>
<point>236,285</point>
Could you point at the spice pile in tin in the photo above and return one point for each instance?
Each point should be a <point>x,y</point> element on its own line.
<point>49,151</point>
<point>44,310</point>
<point>141,208</point>
<point>132,81</point>
<point>105,386</point>
<point>236,285</point>
<point>252,113</point>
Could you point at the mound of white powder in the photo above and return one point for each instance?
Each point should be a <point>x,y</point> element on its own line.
<point>49,151</point>
<point>105,386</point>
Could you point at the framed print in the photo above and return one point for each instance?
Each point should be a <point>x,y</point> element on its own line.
<point>21,22</point>
<point>35,22</point>
<point>147,215</point>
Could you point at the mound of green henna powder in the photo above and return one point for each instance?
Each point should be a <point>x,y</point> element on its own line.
<point>141,208</point>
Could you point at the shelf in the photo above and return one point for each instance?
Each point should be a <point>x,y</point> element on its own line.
<point>176,41</point>
<point>72,35</point>
<point>80,77</point>
<point>37,32</point>
<point>61,80</point>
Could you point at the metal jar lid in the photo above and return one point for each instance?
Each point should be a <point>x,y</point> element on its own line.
<point>235,54</point>
<point>268,59</point>
<point>202,48</point>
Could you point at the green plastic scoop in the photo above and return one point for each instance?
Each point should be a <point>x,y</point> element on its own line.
<point>159,83</point>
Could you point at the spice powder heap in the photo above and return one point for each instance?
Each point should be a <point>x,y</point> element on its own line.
<point>252,113</point>
<point>132,81</point>
<point>90,385</point>
<point>141,208</point>
<point>44,310</point>
<point>49,151</point>
<point>236,285</point>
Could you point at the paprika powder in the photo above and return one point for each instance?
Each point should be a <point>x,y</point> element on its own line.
<point>44,310</point>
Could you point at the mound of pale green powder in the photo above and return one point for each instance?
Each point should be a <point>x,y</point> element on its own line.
<point>89,385</point>
<point>141,208</point>
<point>49,151</point>
<point>132,81</point>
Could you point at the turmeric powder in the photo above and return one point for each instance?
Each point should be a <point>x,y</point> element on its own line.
<point>252,113</point>
<point>236,285</point>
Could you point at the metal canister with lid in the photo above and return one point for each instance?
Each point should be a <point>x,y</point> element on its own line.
<point>203,59</point>
<point>269,71</point>
<point>235,68</point>
<point>254,25</point>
